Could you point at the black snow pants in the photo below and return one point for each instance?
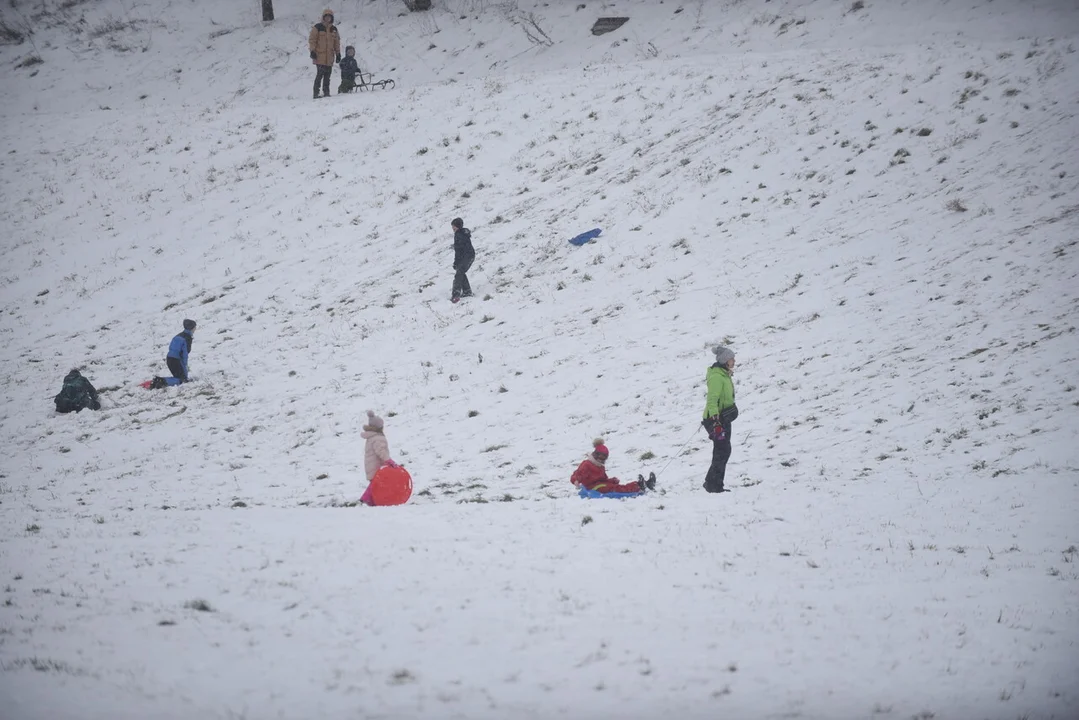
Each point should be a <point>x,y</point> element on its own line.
<point>176,368</point>
<point>323,78</point>
<point>461,288</point>
<point>721,453</point>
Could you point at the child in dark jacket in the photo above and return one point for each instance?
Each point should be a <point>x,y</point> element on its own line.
<point>349,71</point>
<point>77,394</point>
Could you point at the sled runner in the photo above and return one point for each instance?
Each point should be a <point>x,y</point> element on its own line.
<point>363,81</point>
<point>366,81</point>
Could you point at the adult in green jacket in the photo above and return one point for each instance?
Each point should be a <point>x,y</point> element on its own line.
<point>719,412</point>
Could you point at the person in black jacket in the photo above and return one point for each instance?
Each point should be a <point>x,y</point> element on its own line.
<point>349,70</point>
<point>463,257</point>
<point>77,394</point>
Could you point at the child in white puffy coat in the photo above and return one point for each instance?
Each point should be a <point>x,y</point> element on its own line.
<point>376,452</point>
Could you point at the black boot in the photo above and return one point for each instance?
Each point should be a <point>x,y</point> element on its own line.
<point>650,483</point>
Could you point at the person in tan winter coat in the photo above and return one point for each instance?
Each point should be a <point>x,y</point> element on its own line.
<point>325,45</point>
<point>376,452</point>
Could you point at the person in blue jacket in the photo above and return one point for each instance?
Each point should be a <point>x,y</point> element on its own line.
<point>179,350</point>
<point>176,359</point>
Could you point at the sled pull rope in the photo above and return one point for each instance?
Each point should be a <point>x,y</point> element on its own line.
<point>678,452</point>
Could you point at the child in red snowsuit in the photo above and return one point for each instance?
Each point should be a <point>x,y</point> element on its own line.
<point>592,474</point>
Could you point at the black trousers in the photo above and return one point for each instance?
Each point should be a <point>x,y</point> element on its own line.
<point>721,453</point>
<point>323,78</point>
<point>461,288</point>
<point>176,368</point>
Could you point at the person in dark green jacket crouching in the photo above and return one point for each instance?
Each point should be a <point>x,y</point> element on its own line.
<point>77,394</point>
<point>719,412</point>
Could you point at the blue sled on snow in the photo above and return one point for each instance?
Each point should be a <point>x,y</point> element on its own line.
<point>585,237</point>
<point>592,494</point>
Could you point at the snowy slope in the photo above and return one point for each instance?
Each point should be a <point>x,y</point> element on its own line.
<point>879,218</point>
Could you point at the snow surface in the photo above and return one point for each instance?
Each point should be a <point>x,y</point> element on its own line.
<point>878,209</point>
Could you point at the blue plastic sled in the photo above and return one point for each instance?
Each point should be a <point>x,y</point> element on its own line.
<point>592,494</point>
<point>585,237</point>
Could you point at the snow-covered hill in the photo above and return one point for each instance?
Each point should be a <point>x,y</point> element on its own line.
<point>874,204</point>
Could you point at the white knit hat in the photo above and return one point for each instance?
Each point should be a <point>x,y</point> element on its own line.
<point>374,420</point>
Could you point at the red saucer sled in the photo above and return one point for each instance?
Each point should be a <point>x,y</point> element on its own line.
<point>391,486</point>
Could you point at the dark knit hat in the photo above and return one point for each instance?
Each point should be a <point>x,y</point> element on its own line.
<point>189,325</point>
<point>457,223</point>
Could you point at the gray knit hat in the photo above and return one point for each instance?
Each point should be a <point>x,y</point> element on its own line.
<point>723,354</point>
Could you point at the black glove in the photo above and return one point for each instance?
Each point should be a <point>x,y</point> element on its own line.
<point>314,55</point>
<point>338,58</point>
